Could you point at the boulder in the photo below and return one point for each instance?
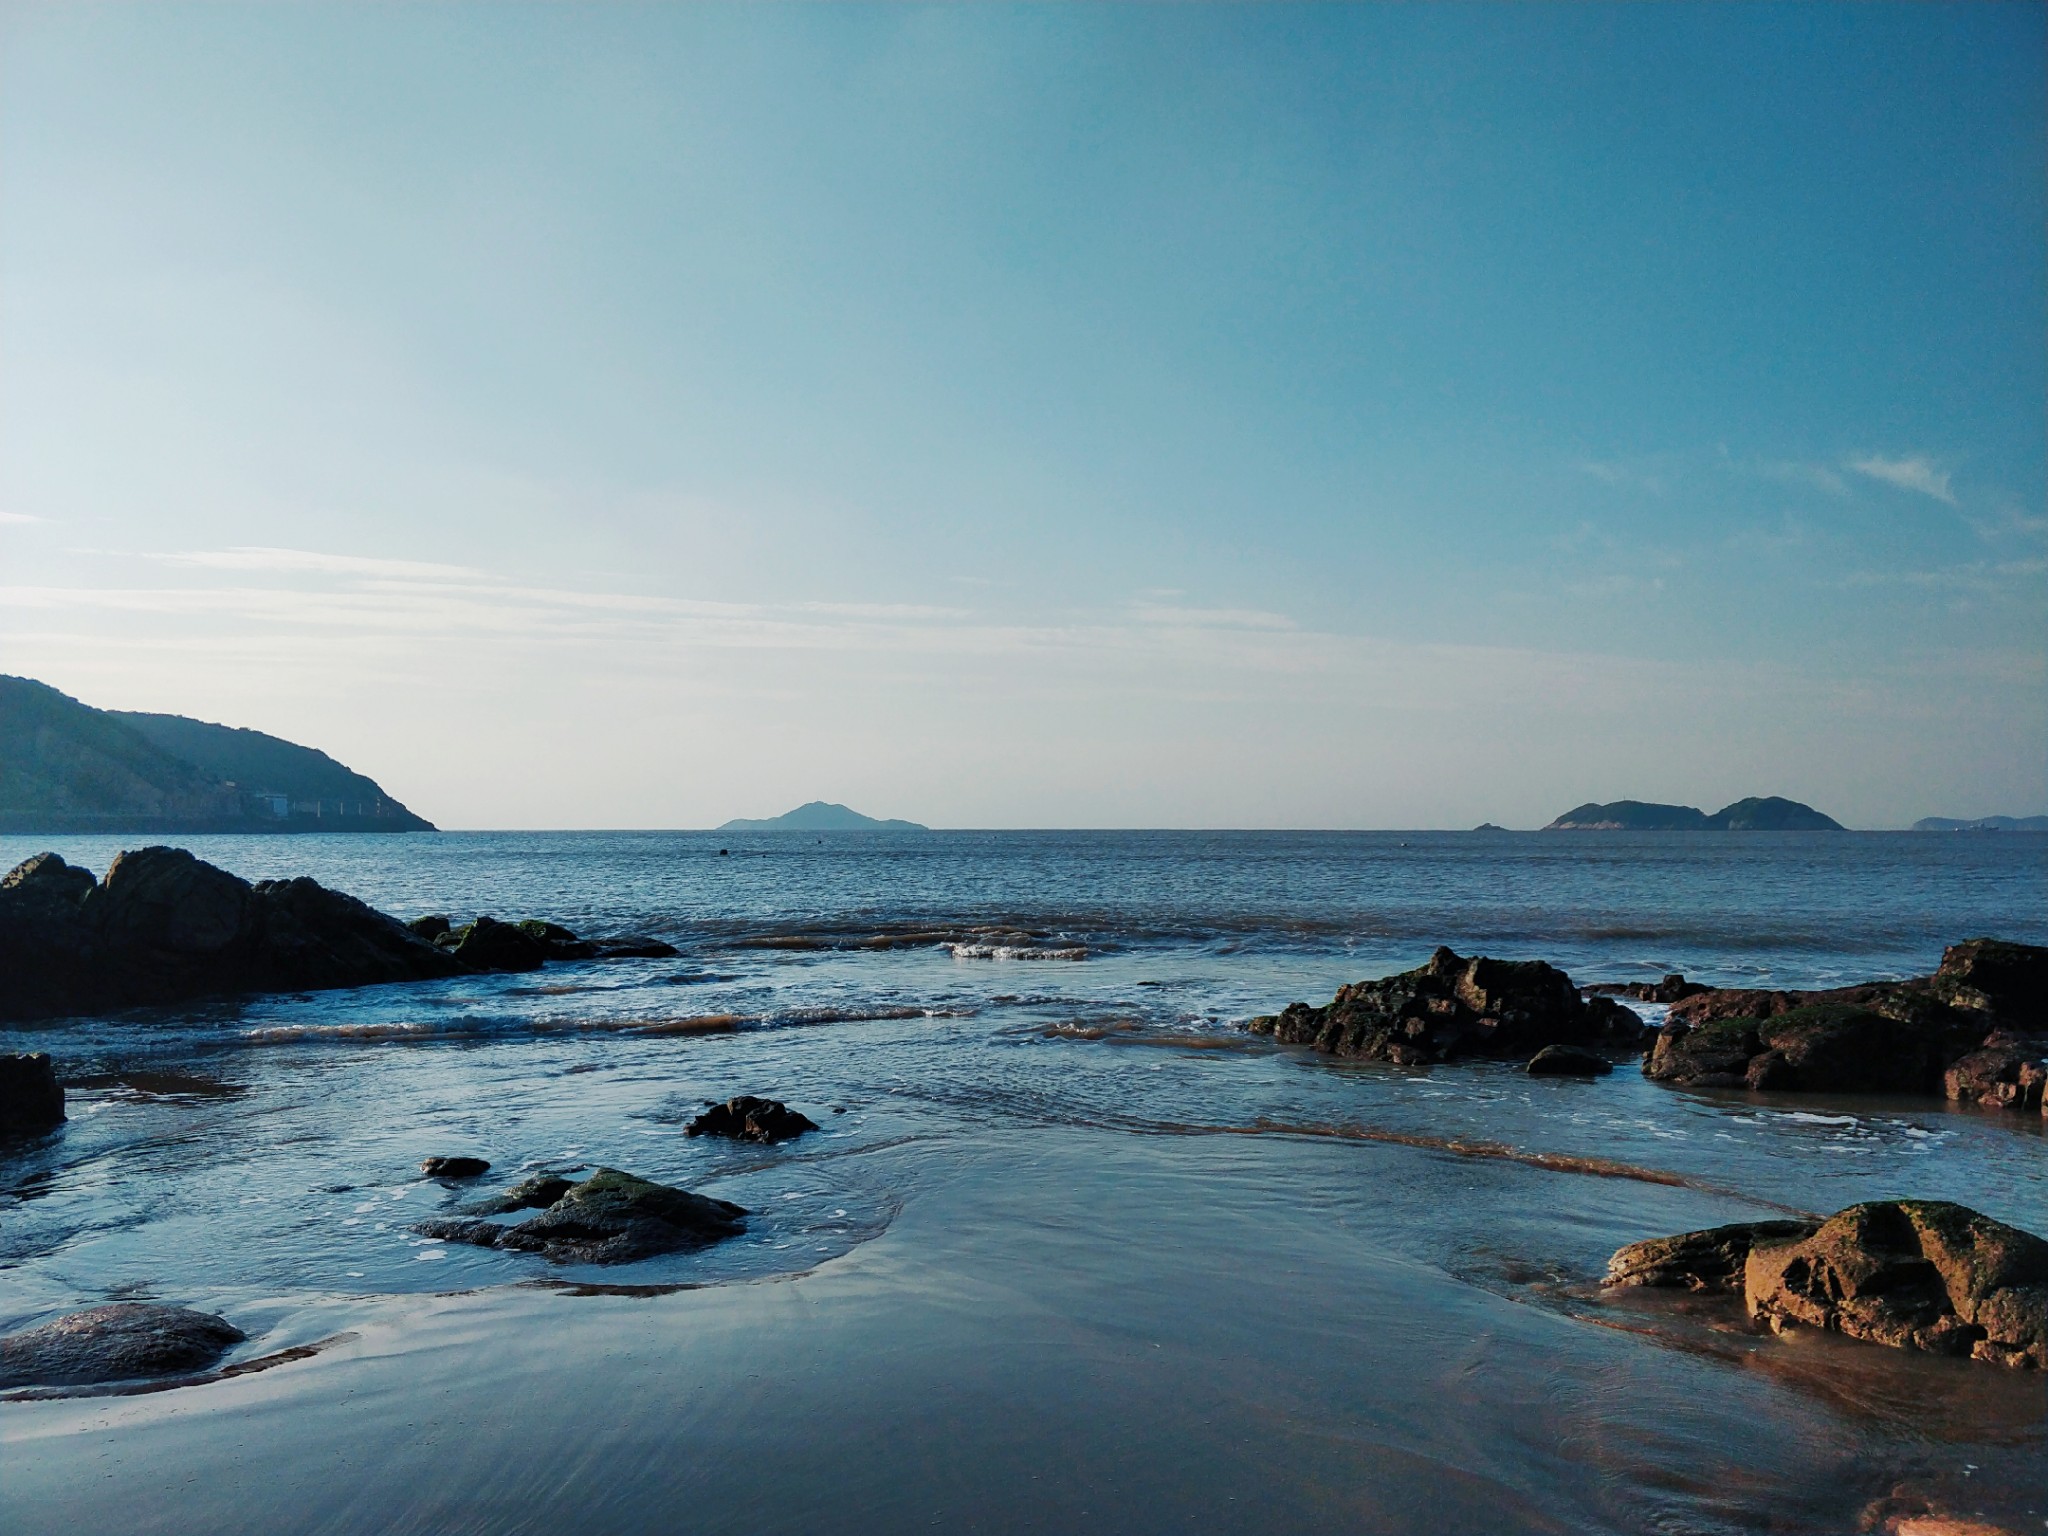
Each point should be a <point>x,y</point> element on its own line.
<point>1708,1260</point>
<point>164,927</point>
<point>115,1343</point>
<point>1674,988</point>
<point>1568,1061</point>
<point>1882,1038</point>
<point>430,927</point>
<point>747,1118</point>
<point>1914,1274</point>
<point>2007,982</point>
<point>31,1099</point>
<point>609,1218</point>
<point>1454,1007</point>
<point>2000,1076</point>
<point>489,945</point>
<point>454,1167</point>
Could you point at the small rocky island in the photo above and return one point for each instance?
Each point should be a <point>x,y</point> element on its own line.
<point>1758,813</point>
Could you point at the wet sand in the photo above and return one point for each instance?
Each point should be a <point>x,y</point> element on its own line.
<point>1061,1330</point>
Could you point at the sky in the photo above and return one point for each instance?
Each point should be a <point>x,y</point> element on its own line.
<point>1174,415</point>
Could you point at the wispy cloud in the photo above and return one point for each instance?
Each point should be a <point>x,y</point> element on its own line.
<point>1917,473</point>
<point>1210,618</point>
<point>20,517</point>
<point>1797,472</point>
<point>1624,475</point>
<point>250,557</point>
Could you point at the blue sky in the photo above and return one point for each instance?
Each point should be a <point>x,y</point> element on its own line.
<point>1170,415</point>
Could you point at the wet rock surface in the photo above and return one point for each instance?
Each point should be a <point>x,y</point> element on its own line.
<point>1453,1007</point>
<point>122,1342</point>
<point>1674,988</point>
<point>1967,1032</point>
<point>1914,1274</point>
<point>454,1167</point>
<point>1708,1260</point>
<point>1567,1061</point>
<point>609,1218</point>
<point>31,1099</point>
<point>748,1118</point>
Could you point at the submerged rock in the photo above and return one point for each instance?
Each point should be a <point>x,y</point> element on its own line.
<point>1708,1260</point>
<point>489,945</point>
<point>454,1167</point>
<point>31,1099</point>
<point>1674,988</point>
<point>1455,1007</point>
<point>609,1218</point>
<point>115,1343</point>
<point>1567,1061</point>
<point>534,1192</point>
<point>1914,1274</point>
<point>747,1118</point>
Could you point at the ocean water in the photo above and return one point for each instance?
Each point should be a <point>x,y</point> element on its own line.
<point>1134,1267</point>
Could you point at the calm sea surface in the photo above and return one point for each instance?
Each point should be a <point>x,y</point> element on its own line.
<point>1072,1249</point>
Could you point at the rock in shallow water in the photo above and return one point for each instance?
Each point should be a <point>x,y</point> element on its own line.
<point>1915,1274</point>
<point>31,1100</point>
<point>454,1167</point>
<point>747,1118</point>
<point>1455,1007</point>
<point>115,1343</point>
<point>609,1218</point>
<point>1567,1061</point>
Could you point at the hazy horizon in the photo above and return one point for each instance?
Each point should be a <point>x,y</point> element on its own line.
<point>1197,417</point>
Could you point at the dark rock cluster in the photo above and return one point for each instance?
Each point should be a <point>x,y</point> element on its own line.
<point>607,1218</point>
<point>1973,1031</point>
<point>747,1118</point>
<point>1914,1274</point>
<point>1453,1007</point>
<point>164,927</point>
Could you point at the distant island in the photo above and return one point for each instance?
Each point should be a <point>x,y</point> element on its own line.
<point>821,816</point>
<point>67,767</point>
<point>1982,824</point>
<point>1766,813</point>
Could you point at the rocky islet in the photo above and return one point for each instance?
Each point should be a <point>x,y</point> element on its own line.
<point>610,1217</point>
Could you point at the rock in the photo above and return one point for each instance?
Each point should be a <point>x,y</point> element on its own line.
<point>634,949</point>
<point>1568,1061</point>
<point>1709,1260</point>
<point>2007,982</point>
<point>31,1100</point>
<point>609,1218</point>
<point>454,1167</point>
<point>747,1118</point>
<point>1454,1007</point>
<point>489,945</point>
<point>115,1343</point>
<point>430,927</point>
<point>2000,1076</point>
<point>163,927</point>
<point>1884,1038</point>
<point>1674,988</point>
<point>534,1192</point>
<point>1914,1274</point>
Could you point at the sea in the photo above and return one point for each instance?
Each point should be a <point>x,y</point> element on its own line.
<point>1071,1249</point>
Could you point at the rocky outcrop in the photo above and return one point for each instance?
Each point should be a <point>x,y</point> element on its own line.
<point>1755,813</point>
<point>165,927</point>
<point>1709,1260</point>
<point>1567,1061</point>
<point>1454,1007</point>
<point>608,1218</point>
<point>123,1342</point>
<point>747,1118</point>
<point>1914,1274</point>
<point>1962,1032</point>
<point>1674,988</point>
<point>454,1167</point>
<point>31,1099</point>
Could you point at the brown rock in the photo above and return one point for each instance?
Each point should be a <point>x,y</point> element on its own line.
<point>1998,1077</point>
<point>747,1118</point>
<point>1914,1274</point>
<point>1708,1260</point>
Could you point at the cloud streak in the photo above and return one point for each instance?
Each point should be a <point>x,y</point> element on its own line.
<point>1917,473</point>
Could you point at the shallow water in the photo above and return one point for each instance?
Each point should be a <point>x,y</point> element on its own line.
<point>1071,1248</point>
